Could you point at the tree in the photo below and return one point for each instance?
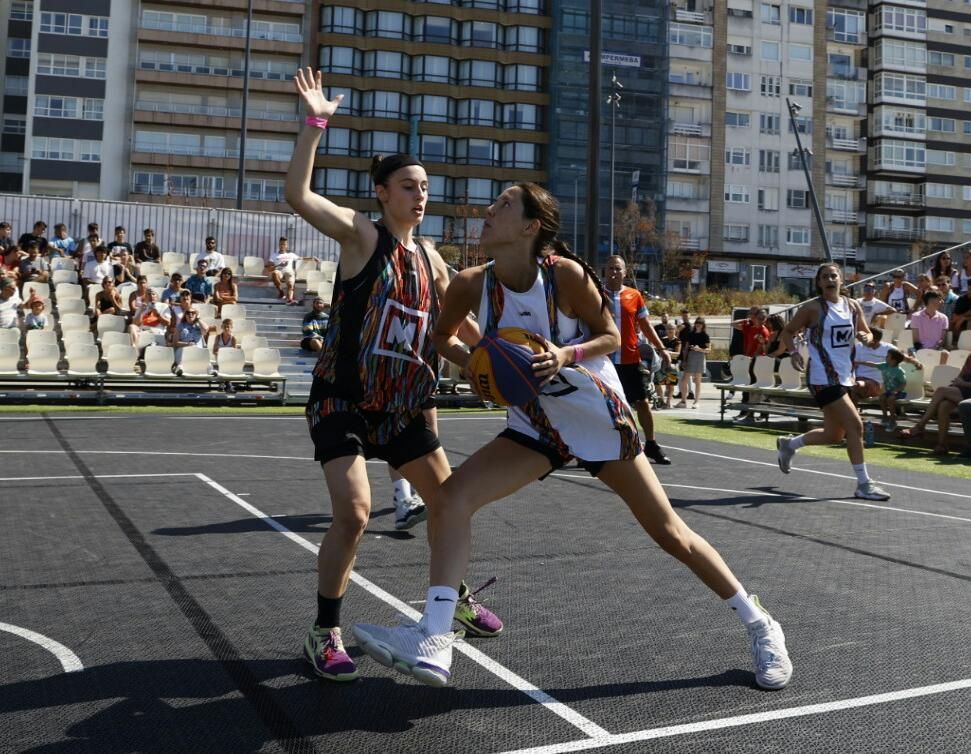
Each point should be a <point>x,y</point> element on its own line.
<point>637,234</point>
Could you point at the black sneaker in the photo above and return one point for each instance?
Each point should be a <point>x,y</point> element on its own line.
<point>653,451</point>
<point>691,396</point>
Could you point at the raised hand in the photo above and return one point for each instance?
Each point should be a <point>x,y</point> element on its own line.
<point>308,86</point>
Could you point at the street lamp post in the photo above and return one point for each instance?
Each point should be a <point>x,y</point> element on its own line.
<point>794,108</point>
<point>241,169</point>
<point>614,101</point>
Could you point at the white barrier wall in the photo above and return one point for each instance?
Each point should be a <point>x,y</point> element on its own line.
<point>177,228</point>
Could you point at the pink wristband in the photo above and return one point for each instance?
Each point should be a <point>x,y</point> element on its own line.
<point>577,354</point>
<point>313,120</point>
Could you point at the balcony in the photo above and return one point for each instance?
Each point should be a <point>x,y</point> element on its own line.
<point>186,151</point>
<point>843,253</point>
<point>905,201</point>
<point>687,204</point>
<point>692,17</point>
<point>689,244</point>
<point>693,167</point>
<point>207,70</point>
<point>842,216</point>
<point>215,112</point>
<point>238,32</point>
<point>845,145</point>
<point>690,129</point>
<point>888,234</point>
<point>844,179</point>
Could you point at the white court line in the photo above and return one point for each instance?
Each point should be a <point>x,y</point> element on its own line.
<point>517,682</point>
<point>69,661</point>
<point>79,476</point>
<point>734,722</point>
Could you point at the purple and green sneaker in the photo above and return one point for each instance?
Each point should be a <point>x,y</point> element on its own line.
<point>324,649</point>
<point>474,617</point>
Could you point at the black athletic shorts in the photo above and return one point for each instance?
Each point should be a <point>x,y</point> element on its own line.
<point>632,377</point>
<point>556,460</point>
<point>826,394</point>
<point>344,433</point>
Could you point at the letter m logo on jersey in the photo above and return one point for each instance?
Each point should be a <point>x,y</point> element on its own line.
<point>841,336</point>
<point>402,332</point>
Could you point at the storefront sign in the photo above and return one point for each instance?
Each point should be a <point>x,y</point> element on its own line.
<point>787,270</point>
<point>722,265</point>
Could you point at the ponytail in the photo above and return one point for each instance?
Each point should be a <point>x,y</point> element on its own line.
<point>561,248</point>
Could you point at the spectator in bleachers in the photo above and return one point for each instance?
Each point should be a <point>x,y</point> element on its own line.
<point>108,300</point>
<point>138,296</point>
<point>6,237</point>
<point>943,403</point>
<point>964,411</point>
<point>91,242</point>
<point>896,291</point>
<point>198,284</point>
<point>962,275</point>
<point>962,314</point>
<point>225,337</point>
<point>924,283</point>
<point>942,266</point>
<point>282,269</point>
<point>36,318</point>
<point>893,380</point>
<point>34,268</point>
<point>948,297</point>
<point>173,291</point>
<point>150,317</point>
<point>868,380</point>
<point>225,291</point>
<point>123,267</point>
<point>871,305</point>
<point>755,337</point>
<point>97,269</point>
<point>190,333</point>
<point>147,250</point>
<point>928,324</point>
<point>315,324</point>
<point>37,234</point>
<point>10,263</point>
<point>10,303</point>
<point>62,244</point>
<point>120,243</point>
<point>213,259</point>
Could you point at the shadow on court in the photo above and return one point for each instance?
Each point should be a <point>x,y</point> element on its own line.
<point>144,719</point>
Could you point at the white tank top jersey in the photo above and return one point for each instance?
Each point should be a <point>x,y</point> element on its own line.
<point>831,346</point>
<point>576,407</point>
<point>898,299</point>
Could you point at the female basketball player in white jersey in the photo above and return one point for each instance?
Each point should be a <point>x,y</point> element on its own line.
<point>536,284</point>
<point>834,323</point>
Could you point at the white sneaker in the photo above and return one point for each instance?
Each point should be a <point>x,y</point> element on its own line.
<point>785,454</point>
<point>869,491</point>
<point>770,659</point>
<point>409,650</point>
<point>409,512</point>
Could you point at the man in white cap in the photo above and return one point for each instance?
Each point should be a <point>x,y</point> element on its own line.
<point>871,305</point>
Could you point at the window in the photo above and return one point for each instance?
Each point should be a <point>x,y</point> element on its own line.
<point>797,235</point>
<point>890,153</point>
<point>388,65</point>
<point>433,108</point>
<point>797,199</point>
<point>942,191</point>
<point>341,20</point>
<point>339,60</point>
<point>576,21</point>
<point>432,68</point>
<point>900,53</point>
<point>525,78</point>
<point>518,115</point>
<point>771,86</point>
<point>803,125</point>
<point>800,52</point>
<point>690,35</point>
<point>737,194</point>
<point>845,95</point>
<point>381,23</point>
<point>48,148</point>
<point>795,163</point>
<point>939,224</point>
<point>738,156</point>
<point>477,112</point>
<point>89,151</point>
<point>770,123</point>
<point>433,29</point>
<point>900,86</point>
<point>758,277</point>
<point>689,156</point>
<point>480,34</point>
<point>18,48</point>
<point>906,20</point>
<point>97,27</point>
<point>770,50</point>
<point>735,233</point>
<point>941,91</point>
<point>945,59</point>
<point>800,88</point>
<point>16,86</point>
<point>477,151</point>
<point>737,120</point>
<point>739,82</point>
<point>524,39</point>
<point>771,14</point>
<point>435,148</point>
<point>378,104</point>
<point>941,157</point>
<point>768,237</point>
<point>338,141</point>
<point>768,161</point>
<point>49,64</point>
<point>14,124</point>
<point>381,142</point>
<point>847,25</point>
<point>73,24</point>
<point>520,155</point>
<point>966,192</point>
<point>479,73</point>
<point>967,127</point>
<point>22,11</point>
<point>944,125</point>
<point>768,200</point>
<point>799,15</point>
<point>48,106</point>
<point>95,68</point>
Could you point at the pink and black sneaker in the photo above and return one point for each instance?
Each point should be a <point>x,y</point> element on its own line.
<point>474,617</point>
<point>324,649</point>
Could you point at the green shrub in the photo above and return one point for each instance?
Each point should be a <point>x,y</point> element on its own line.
<point>721,301</point>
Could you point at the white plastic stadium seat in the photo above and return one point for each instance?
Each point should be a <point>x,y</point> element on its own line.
<point>157,281</point>
<point>64,291</point>
<point>42,359</point>
<point>325,290</point>
<point>207,312</point>
<point>75,322</point>
<point>764,371</point>
<point>250,343</point>
<point>63,263</point>
<point>904,340</point>
<point>914,388</point>
<point>9,357</point>
<point>82,359</point>
<point>125,290</point>
<point>121,360</point>
<point>305,267</point>
<point>895,322</point>
<point>159,361</point>
<point>41,290</point>
<point>242,327</point>
<point>73,337</point>
<point>110,339</point>
<point>232,263</point>
<point>10,335</point>
<point>182,269</point>
<point>234,312</point>
<point>943,375</point>
<point>38,337</point>
<point>229,363</point>
<point>110,323</point>
<point>790,378</point>
<point>63,276</point>
<point>314,278</point>
<point>329,269</point>
<point>195,363</point>
<point>70,306</point>
<point>150,268</point>
<point>253,266</point>
<point>171,260</point>
<point>957,357</point>
<point>266,363</point>
<point>929,358</point>
<point>964,341</point>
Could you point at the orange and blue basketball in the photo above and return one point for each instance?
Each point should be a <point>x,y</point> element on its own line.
<point>501,366</point>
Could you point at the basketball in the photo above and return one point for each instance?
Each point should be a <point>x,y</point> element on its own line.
<point>501,366</point>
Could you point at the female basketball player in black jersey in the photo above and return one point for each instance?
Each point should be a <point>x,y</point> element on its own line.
<point>377,368</point>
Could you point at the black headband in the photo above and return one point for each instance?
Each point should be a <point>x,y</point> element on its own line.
<point>388,165</point>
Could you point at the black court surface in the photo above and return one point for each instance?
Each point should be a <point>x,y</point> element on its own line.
<point>157,578</point>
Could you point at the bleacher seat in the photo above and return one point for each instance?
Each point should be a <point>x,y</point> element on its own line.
<point>63,276</point>
<point>150,268</point>
<point>790,378</point>
<point>110,339</point>
<point>253,266</point>
<point>182,269</point>
<point>82,359</point>
<point>895,323</point>
<point>314,278</point>
<point>110,323</point>
<point>71,337</point>
<point>9,358</point>
<point>70,306</point>
<point>64,291</point>
<point>764,371</point>
<point>10,335</point>
<point>739,368</point>
<point>121,360</point>
<point>242,327</point>
<point>207,312</point>
<point>75,322</point>
<point>125,290</point>
<point>159,361</point>
<point>957,357</point>
<point>232,262</point>
<point>929,358</point>
<point>157,280</point>
<point>146,339</point>
<point>964,341</point>
<point>41,290</point>
<point>305,267</point>
<point>63,263</point>
<point>250,343</point>
<point>904,340</point>
<point>329,269</point>
<point>943,375</point>
<point>43,358</point>
<point>195,363</point>
<point>171,260</point>
<point>37,337</point>
<point>266,363</point>
<point>914,387</point>
<point>326,290</point>
<point>234,312</point>
<point>229,364</point>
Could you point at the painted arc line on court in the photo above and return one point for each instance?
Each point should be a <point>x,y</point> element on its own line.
<point>69,661</point>
<point>517,682</point>
<point>78,476</point>
<point>751,719</point>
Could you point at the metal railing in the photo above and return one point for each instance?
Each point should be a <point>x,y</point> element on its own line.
<point>238,32</point>
<point>215,111</point>
<point>175,149</point>
<point>899,200</point>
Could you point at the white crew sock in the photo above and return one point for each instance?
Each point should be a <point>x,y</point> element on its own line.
<point>797,442</point>
<point>440,609</point>
<point>742,604</point>
<point>861,473</point>
<point>402,489</point>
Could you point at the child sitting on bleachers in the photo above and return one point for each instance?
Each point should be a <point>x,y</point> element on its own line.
<point>36,319</point>
<point>894,380</point>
